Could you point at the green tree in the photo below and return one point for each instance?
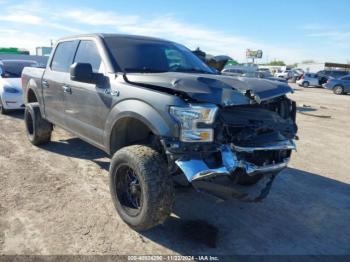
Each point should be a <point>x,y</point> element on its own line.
<point>293,65</point>
<point>308,61</point>
<point>277,63</point>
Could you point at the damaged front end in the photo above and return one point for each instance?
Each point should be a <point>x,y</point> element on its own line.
<point>250,142</point>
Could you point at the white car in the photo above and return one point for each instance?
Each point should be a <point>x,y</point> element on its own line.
<point>11,93</point>
<point>286,74</point>
<point>309,79</point>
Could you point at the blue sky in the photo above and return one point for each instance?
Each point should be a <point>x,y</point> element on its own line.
<point>285,30</point>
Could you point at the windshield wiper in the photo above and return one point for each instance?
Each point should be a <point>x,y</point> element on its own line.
<point>143,70</point>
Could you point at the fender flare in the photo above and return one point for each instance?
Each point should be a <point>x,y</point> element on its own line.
<point>139,110</point>
<point>32,86</point>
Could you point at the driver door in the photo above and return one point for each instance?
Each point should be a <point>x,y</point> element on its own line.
<point>87,105</point>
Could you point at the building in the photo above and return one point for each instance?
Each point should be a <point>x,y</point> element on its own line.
<point>315,67</point>
<point>43,51</point>
<point>13,50</point>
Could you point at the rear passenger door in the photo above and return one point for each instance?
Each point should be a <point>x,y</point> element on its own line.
<point>55,77</point>
<point>87,105</point>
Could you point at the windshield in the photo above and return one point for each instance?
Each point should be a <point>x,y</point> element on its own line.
<point>154,56</point>
<point>13,69</point>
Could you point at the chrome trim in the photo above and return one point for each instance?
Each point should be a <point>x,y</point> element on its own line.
<point>195,169</point>
<point>282,145</point>
<point>251,168</point>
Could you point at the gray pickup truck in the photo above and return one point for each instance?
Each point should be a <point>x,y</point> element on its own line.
<point>165,117</point>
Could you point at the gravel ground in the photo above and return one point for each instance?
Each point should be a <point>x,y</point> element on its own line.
<point>55,199</point>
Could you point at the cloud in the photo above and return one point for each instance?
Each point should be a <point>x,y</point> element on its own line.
<point>333,35</point>
<point>93,17</point>
<point>166,26</point>
<point>60,21</point>
<point>22,18</point>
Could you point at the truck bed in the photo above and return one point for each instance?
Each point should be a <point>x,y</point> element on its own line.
<point>34,75</point>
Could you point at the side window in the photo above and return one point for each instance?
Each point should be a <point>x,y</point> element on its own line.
<point>63,56</point>
<point>87,53</point>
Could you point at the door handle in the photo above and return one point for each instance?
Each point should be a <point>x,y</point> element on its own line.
<point>45,83</point>
<point>67,89</point>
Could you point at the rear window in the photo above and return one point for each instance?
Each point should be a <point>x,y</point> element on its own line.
<point>63,56</point>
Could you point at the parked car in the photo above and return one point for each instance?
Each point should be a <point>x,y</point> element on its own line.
<point>286,74</point>
<point>11,96</point>
<point>339,85</point>
<point>295,74</point>
<point>309,79</point>
<point>265,75</point>
<point>162,114</point>
<point>325,75</point>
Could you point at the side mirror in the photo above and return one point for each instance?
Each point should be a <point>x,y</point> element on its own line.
<point>82,72</point>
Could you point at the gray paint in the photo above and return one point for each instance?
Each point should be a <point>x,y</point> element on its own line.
<point>90,111</point>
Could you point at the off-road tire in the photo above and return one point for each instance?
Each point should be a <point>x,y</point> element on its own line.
<point>338,90</point>
<point>306,84</point>
<point>38,129</point>
<point>3,111</point>
<point>157,190</point>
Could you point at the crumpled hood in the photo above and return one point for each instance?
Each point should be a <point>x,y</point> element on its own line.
<point>217,89</point>
<point>12,82</point>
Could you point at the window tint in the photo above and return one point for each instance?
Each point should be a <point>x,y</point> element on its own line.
<point>149,56</point>
<point>88,53</point>
<point>63,56</point>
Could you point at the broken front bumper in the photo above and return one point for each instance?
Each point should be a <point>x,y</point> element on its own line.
<point>199,174</point>
<point>197,169</point>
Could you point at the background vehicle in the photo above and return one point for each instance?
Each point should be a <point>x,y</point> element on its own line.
<point>163,114</point>
<point>309,79</point>
<point>339,86</point>
<point>11,96</point>
<point>265,75</point>
<point>296,74</point>
<point>286,74</point>
<point>325,75</point>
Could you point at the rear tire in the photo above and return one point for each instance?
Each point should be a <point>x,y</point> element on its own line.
<point>338,90</point>
<point>38,129</point>
<point>141,187</point>
<point>3,111</point>
<point>306,84</point>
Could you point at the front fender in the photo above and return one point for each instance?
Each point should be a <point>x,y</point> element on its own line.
<point>138,110</point>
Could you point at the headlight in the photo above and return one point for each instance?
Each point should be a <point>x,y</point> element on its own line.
<point>188,118</point>
<point>11,90</point>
